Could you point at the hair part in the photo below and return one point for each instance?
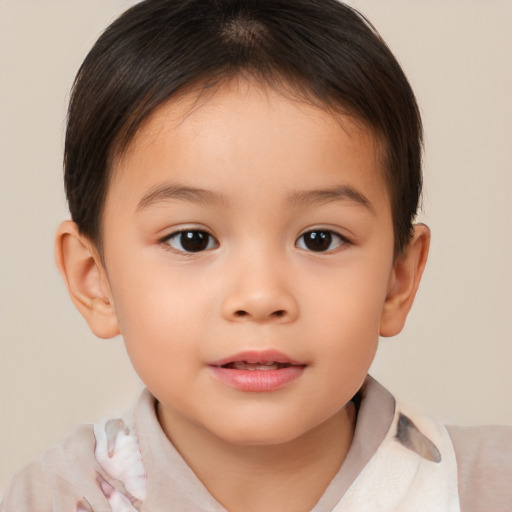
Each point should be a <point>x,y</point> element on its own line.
<point>322,51</point>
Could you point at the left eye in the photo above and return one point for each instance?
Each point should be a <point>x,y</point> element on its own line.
<point>193,240</point>
<point>320,240</point>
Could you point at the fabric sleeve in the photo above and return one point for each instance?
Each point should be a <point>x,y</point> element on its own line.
<point>484,460</point>
<point>29,490</point>
<point>62,479</point>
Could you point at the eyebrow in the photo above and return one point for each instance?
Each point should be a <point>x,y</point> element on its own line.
<point>339,193</point>
<point>198,195</point>
<point>175,191</point>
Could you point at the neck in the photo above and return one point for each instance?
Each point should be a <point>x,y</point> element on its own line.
<point>289,477</point>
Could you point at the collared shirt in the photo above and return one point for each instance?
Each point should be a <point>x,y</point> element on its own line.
<point>397,461</point>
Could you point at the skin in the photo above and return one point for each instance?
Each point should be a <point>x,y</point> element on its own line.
<point>260,159</point>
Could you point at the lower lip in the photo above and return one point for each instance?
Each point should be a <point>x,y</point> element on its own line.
<point>257,380</point>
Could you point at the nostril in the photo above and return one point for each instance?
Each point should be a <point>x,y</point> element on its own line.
<point>259,316</point>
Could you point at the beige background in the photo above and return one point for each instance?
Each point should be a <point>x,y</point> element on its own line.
<point>454,359</point>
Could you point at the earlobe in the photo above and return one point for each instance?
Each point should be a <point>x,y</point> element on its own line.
<point>404,281</point>
<point>83,273</point>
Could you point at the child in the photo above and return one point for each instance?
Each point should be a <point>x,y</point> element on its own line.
<point>242,178</point>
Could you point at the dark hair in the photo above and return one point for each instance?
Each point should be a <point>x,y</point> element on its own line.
<point>322,50</point>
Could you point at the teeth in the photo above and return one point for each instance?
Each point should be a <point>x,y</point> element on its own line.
<point>267,365</point>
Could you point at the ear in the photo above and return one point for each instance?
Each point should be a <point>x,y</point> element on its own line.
<point>86,279</point>
<point>404,281</point>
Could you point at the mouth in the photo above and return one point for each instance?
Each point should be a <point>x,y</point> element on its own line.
<point>260,365</point>
<point>257,360</point>
<point>257,370</point>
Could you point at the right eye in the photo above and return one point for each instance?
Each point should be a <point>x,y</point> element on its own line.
<point>321,240</point>
<point>191,240</point>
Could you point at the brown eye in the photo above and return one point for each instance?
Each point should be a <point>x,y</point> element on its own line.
<point>191,241</point>
<point>320,241</point>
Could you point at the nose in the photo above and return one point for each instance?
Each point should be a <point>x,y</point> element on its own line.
<point>259,292</point>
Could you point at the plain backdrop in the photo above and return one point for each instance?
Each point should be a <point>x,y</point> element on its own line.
<point>454,358</point>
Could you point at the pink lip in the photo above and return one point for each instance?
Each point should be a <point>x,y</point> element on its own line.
<point>257,356</point>
<point>257,380</point>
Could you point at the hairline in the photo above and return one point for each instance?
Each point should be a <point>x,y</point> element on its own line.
<point>294,90</point>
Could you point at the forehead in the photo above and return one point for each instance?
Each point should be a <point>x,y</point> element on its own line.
<point>246,131</point>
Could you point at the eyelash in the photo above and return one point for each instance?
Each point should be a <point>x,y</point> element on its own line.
<point>203,241</point>
<point>321,237</point>
<point>202,238</point>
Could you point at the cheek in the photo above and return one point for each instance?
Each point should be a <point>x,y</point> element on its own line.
<point>157,296</point>
<point>353,295</point>
<point>346,309</point>
<point>161,317</point>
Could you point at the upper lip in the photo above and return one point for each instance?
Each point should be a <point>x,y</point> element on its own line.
<point>258,356</point>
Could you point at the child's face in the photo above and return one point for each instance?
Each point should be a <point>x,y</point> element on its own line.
<point>285,254</point>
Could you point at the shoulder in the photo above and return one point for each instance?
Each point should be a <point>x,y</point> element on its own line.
<point>484,460</point>
<point>92,469</point>
<point>55,471</point>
